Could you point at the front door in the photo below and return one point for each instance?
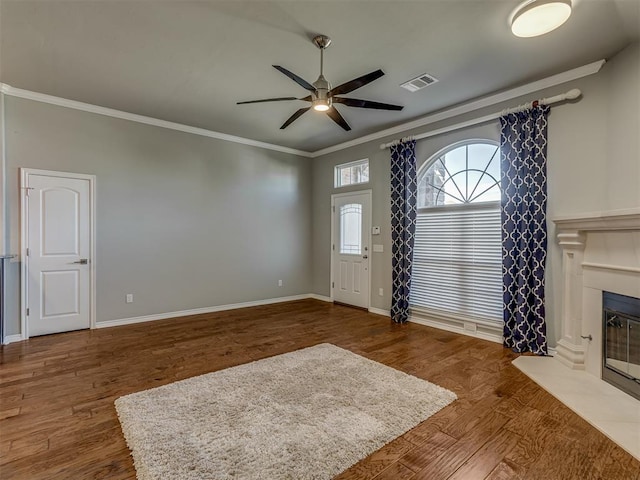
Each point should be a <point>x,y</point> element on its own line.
<point>58,252</point>
<point>350,248</point>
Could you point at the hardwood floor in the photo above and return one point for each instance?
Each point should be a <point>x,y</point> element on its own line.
<point>57,418</point>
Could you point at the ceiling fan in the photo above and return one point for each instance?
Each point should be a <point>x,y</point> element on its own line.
<point>323,96</point>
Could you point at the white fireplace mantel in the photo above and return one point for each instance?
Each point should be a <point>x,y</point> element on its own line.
<point>573,235</point>
<point>628,219</point>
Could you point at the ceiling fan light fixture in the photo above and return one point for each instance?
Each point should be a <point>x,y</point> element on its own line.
<point>538,17</point>
<point>321,104</point>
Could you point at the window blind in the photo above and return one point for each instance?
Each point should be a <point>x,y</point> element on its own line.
<point>457,261</point>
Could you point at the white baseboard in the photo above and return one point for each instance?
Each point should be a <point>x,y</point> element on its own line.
<point>219,308</point>
<point>380,311</point>
<point>198,311</point>
<point>12,338</point>
<point>451,327</point>
<point>322,298</point>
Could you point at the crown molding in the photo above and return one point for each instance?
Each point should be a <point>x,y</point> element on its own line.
<point>483,102</point>
<point>494,99</point>
<point>134,117</point>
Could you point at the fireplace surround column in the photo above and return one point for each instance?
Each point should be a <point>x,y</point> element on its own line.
<point>570,348</point>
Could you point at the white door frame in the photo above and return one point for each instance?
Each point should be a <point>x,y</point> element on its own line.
<point>24,241</point>
<point>368,192</point>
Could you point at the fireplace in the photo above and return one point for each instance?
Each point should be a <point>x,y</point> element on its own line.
<point>621,345</point>
<point>600,253</point>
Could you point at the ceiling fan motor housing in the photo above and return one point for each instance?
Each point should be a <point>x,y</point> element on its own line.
<point>322,88</point>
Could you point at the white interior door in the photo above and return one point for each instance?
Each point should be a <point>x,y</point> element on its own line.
<point>58,251</point>
<point>350,248</point>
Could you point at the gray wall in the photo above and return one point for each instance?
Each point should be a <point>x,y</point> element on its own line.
<point>183,221</point>
<point>623,145</point>
<point>593,165</point>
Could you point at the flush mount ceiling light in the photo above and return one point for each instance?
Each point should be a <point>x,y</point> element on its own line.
<point>538,17</point>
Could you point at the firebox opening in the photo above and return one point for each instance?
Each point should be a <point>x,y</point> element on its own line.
<point>621,346</point>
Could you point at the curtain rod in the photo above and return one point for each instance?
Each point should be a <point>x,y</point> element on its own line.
<point>570,95</point>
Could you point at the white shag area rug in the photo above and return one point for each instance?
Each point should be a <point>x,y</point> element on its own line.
<point>308,414</point>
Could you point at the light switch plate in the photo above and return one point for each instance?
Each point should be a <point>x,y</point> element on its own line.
<point>378,248</point>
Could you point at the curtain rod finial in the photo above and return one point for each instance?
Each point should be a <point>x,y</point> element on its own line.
<point>573,94</point>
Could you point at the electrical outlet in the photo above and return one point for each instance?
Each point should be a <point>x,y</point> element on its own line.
<point>129,297</point>
<point>279,283</point>
<point>381,292</point>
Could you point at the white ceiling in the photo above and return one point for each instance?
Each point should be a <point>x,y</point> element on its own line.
<point>190,62</point>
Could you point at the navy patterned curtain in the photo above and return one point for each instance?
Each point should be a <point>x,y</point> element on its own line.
<point>404,190</point>
<point>523,145</point>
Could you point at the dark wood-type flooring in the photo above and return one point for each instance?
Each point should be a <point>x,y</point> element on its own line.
<point>57,417</point>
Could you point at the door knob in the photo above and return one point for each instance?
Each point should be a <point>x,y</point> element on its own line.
<point>82,261</point>
<point>365,256</point>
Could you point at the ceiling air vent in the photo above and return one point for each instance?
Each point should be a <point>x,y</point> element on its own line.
<point>419,82</point>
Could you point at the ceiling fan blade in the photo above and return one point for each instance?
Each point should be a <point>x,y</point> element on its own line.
<point>356,102</point>
<point>300,81</point>
<point>279,99</point>
<point>336,117</point>
<point>356,83</point>
<point>293,117</point>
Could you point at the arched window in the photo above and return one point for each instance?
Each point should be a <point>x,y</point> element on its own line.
<point>457,266</point>
<point>461,174</point>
